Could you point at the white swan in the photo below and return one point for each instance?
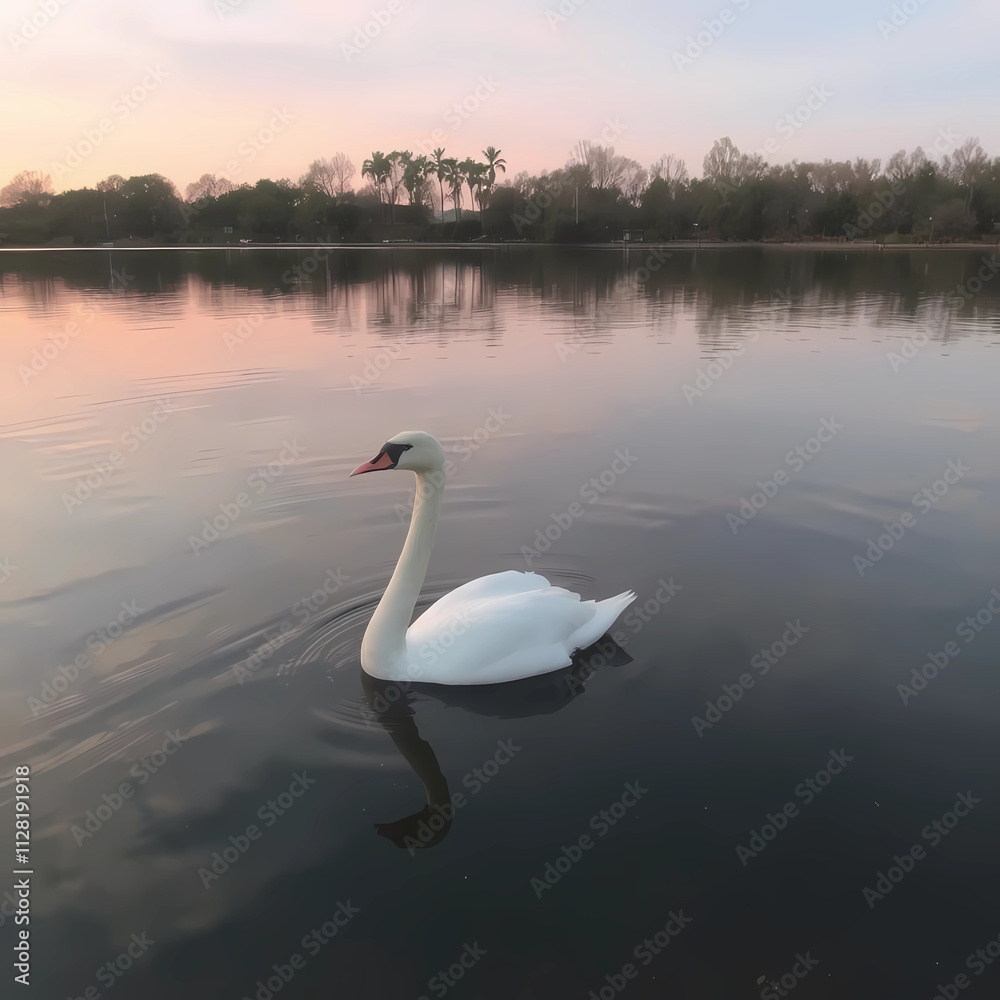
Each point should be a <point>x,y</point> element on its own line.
<point>498,628</point>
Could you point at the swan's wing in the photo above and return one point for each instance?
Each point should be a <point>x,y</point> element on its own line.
<point>493,639</point>
<point>442,612</point>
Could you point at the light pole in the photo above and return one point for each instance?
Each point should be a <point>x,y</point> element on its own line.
<point>697,235</point>
<point>931,219</point>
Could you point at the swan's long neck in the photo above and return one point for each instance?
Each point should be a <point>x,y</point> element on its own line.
<point>383,649</point>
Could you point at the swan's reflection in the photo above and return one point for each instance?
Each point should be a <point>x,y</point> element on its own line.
<point>390,703</point>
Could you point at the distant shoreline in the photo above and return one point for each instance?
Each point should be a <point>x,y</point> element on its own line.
<point>688,245</point>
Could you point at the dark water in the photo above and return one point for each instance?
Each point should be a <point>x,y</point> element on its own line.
<point>743,437</point>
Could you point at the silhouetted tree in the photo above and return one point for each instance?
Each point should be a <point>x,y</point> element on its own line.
<point>415,169</point>
<point>396,168</point>
<point>494,162</point>
<point>343,172</point>
<point>669,168</point>
<point>474,173</point>
<point>29,188</point>
<point>207,186</point>
<point>149,205</point>
<point>376,169</point>
<point>592,197</point>
<point>456,178</point>
<point>320,177</point>
<point>440,170</point>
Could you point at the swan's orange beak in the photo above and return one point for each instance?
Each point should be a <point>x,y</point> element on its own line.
<point>380,461</point>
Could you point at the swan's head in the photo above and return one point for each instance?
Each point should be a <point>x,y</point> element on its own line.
<point>414,451</point>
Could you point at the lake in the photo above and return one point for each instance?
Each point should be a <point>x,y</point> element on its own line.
<point>779,771</point>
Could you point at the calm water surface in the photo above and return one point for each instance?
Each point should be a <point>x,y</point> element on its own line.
<point>792,459</point>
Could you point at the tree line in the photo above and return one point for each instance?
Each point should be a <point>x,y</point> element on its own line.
<point>594,197</point>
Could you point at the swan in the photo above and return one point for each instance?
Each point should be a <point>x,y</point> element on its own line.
<point>499,628</point>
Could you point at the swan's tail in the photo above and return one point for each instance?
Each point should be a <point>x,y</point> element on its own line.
<point>605,614</point>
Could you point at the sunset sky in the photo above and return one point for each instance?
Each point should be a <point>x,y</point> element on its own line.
<point>216,72</point>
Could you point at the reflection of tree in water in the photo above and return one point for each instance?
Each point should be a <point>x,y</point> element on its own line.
<point>443,295</point>
<point>391,704</point>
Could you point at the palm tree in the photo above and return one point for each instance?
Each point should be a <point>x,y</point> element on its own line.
<point>474,174</point>
<point>415,170</point>
<point>494,162</point>
<point>394,179</point>
<point>377,170</point>
<point>437,166</point>
<point>455,177</point>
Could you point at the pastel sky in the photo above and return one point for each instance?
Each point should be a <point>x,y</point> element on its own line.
<point>222,68</point>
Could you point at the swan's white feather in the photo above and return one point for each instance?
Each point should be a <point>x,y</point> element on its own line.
<point>501,628</point>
